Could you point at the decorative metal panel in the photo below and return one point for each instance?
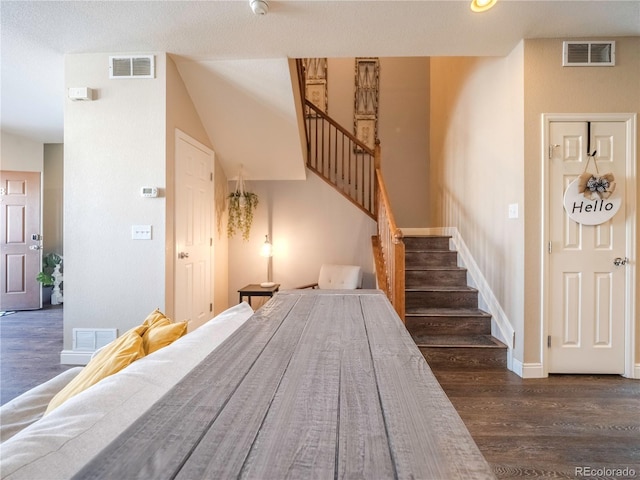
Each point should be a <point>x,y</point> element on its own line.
<point>315,78</point>
<point>365,119</point>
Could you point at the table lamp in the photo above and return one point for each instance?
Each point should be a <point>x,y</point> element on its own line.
<point>267,251</point>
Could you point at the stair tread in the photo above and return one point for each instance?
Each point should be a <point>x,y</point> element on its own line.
<point>437,268</point>
<point>453,341</point>
<point>452,330</point>
<point>446,312</point>
<point>441,288</point>
<point>444,235</point>
<point>429,250</point>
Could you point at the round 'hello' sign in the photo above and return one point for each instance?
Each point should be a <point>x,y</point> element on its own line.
<point>586,208</point>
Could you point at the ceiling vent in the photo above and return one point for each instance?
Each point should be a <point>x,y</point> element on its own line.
<point>132,66</point>
<point>589,54</point>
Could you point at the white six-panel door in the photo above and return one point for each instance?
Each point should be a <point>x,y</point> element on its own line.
<point>194,199</point>
<point>587,290</point>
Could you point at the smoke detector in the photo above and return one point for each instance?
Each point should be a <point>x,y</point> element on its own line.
<point>259,7</point>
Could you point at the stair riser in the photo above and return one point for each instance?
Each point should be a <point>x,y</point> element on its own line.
<point>426,243</point>
<point>422,326</point>
<point>446,319</point>
<point>465,357</point>
<point>447,299</point>
<point>417,278</point>
<point>431,259</point>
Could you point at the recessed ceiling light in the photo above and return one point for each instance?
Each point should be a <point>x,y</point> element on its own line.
<point>482,5</point>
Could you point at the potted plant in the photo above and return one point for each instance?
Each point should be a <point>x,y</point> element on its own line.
<point>241,207</point>
<point>45,277</point>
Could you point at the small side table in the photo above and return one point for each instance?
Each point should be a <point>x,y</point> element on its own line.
<point>255,290</point>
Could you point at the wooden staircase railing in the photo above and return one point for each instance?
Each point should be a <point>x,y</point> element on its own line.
<point>388,250</point>
<point>340,159</point>
<point>353,169</point>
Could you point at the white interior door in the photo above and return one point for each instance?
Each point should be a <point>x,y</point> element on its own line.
<point>587,291</point>
<point>21,254</point>
<point>194,244</point>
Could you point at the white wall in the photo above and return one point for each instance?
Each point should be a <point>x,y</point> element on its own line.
<point>122,140</point>
<point>113,145</point>
<point>404,137</point>
<point>403,128</point>
<point>20,154</point>
<point>309,224</point>
<point>551,88</point>
<point>53,198</point>
<point>477,167</point>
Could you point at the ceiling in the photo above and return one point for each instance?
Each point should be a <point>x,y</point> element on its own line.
<point>225,40</point>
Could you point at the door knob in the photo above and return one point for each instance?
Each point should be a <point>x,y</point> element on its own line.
<point>620,261</point>
<point>183,255</point>
<point>35,247</point>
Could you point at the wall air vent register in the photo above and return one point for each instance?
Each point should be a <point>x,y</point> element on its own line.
<point>132,66</point>
<point>589,54</point>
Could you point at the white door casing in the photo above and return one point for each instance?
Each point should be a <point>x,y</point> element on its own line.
<point>20,200</point>
<point>588,302</point>
<point>193,239</point>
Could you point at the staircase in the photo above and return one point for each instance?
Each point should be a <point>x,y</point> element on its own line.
<point>442,312</point>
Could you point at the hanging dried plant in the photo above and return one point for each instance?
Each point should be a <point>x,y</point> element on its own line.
<point>242,204</point>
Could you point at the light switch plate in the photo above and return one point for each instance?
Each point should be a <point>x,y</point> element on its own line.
<point>513,210</point>
<point>141,232</point>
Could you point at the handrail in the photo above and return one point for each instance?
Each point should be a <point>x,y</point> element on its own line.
<point>340,159</point>
<point>354,170</point>
<point>389,250</point>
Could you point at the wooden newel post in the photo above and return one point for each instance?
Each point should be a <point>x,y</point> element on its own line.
<point>399,281</point>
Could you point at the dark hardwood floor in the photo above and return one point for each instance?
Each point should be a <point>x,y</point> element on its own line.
<point>30,346</point>
<point>548,427</point>
<point>534,428</point>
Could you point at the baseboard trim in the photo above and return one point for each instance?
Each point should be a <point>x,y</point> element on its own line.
<point>635,372</point>
<point>72,357</point>
<point>503,331</point>
<point>528,370</point>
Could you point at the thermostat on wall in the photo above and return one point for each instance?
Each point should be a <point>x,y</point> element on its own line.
<point>149,192</point>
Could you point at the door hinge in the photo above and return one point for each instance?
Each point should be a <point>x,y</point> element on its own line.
<point>548,341</point>
<point>551,149</point>
<point>211,176</point>
<point>211,242</point>
<point>211,307</point>
<point>549,247</point>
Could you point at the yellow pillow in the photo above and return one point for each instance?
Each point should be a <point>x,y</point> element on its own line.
<point>111,359</point>
<point>154,317</point>
<point>162,334</point>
